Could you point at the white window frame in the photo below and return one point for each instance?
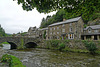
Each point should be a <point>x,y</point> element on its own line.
<point>57,32</point>
<point>54,28</point>
<point>70,24</point>
<point>96,31</point>
<point>50,28</point>
<point>89,30</point>
<point>57,28</point>
<point>71,37</point>
<point>70,29</point>
<point>63,30</point>
<point>63,25</point>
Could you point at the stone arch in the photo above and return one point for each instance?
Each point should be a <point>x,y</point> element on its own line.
<point>13,45</point>
<point>30,45</point>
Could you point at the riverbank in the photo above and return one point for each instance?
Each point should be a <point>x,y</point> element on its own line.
<point>79,46</point>
<point>9,60</point>
<point>2,52</point>
<point>53,58</point>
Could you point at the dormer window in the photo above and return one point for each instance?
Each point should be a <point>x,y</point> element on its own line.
<point>89,30</point>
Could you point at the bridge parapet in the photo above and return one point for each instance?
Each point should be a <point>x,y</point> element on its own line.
<point>19,41</point>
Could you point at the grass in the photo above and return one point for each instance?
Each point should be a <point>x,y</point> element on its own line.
<point>12,60</point>
<point>5,43</point>
<point>1,45</point>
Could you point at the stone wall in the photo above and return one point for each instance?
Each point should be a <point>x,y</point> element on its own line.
<point>73,44</point>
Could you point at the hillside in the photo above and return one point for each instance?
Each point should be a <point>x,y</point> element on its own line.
<point>89,10</point>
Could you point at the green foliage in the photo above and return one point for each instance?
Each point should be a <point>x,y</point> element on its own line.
<point>53,19</point>
<point>61,46</point>
<point>66,41</point>
<point>12,60</point>
<point>88,9</point>
<point>66,49</point>
<point>22,44</point>
<point>44,35</point>
<point>90,46</point>
<point>2,32</point>
<point>54,43</point>
<point>5,43</point>
<point>52,5</point>
<point>85,26</point>
<point>1,45</point>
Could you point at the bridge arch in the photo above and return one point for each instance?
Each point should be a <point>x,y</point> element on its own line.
<point>13,45</point>
<point>30,45</point>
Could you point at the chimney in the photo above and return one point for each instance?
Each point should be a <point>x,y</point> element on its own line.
<point>64,19</point>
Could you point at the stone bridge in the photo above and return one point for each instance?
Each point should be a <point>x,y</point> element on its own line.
<point>21,42</point>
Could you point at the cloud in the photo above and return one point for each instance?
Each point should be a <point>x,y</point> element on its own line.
<point>14,19</point>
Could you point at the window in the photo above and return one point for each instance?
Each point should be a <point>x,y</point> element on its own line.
<point>57,37</point>
<point>51,33</point>
<point>70,36</point>
<point>81,30</point>
<point>63,30</point>
<point>79,35</point>
<point>70,24</point>
<point>70,30</point>
<point>50,28</point>
<point>96,31</point>
<point>54,28</point>
<point>57,28</point>
<point>89,30</point>
<point>57,32</point>
<point>63,25</point>
<point>54,33</point>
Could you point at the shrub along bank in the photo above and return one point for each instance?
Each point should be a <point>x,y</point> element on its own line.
<point>12,60</point>
<point>82,46</point>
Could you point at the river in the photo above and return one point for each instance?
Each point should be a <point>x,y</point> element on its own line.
<point>36,57</point>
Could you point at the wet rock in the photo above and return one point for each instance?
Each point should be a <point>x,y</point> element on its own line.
<point>1,52</point>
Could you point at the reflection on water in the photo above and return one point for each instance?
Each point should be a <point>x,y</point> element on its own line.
<point>6,46</point>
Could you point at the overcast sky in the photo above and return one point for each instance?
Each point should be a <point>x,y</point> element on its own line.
<point>14,19</point>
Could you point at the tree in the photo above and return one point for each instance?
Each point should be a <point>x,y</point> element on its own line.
<point>2,32</point>
<point>44,35</point>
<point>53,19</point>
<point>50,5</point>
<point>73,8</point>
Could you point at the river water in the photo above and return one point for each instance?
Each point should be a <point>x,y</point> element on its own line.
<point>36,57</point>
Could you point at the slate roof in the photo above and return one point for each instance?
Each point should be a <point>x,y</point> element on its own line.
<point>93,27</point>
<point>90,34</point>
<point>67,21</point>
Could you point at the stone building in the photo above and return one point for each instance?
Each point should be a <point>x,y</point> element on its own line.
<point>91,33</point>
<point>33,32</point>
<point>37,32</point>
<point>67,29</point>
<point>42,32</point>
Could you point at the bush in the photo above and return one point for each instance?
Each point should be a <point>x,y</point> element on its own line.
<point>90,46</point>
<point>61,46</point>
<point>66,49</point>
<point>1,45</point>
<point>12,60</point>
<point>54,43</point>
